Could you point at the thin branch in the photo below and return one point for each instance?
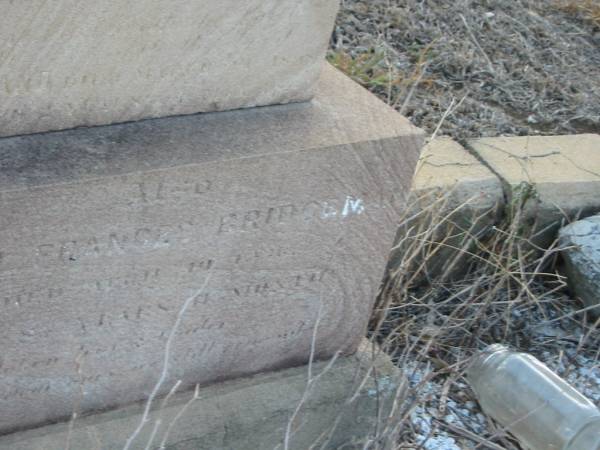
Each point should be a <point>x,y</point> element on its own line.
<point>165,369</point>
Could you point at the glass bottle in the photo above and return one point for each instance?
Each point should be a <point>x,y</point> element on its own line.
<point>537,406</point>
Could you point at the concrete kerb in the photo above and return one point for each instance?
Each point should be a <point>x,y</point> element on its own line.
<point>481,183</point>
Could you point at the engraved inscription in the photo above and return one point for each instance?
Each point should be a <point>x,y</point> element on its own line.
<point>255,219</point>
<point>116,243</point>
<point>114,318</point>
<point>46,81</point>
<point>169,190</point>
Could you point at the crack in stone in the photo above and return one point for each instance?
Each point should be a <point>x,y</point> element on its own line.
<point>523,158</point>
<point>591,172</point>
<point>450,164</point>
<point>543,155</point>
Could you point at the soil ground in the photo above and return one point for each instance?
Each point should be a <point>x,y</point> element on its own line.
<point>493,67</point>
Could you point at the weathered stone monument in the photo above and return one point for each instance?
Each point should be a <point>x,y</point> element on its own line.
<point>192,249</point>
<point>65,63</point>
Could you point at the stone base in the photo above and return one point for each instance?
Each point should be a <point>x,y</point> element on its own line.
<point>285,214</point>
<point>249,413</point>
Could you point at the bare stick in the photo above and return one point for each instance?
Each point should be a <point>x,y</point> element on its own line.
<point>158,421</point>
<point>311,379</point>
<point>288,429</point>
<point>412,89</point>
<point>78,403</point>
<point>476,42</point>
<point>153,434</point>
<point>443,119</point>
<point>165,369</point>
<point>196,396</point>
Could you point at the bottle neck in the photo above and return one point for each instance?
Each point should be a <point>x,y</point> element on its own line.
<point>488,359</point>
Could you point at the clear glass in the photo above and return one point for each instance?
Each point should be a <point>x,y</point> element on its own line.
<point>537,406</point>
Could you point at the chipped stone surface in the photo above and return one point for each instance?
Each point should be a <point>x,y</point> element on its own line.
<point>71,63</point>
<point>556,177</point>
<point>581,243</point>
<point>446,166</point>
<point>249,413</point>
<point>107,232</point>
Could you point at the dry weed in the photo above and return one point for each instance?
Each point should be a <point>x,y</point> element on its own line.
<point>588,10</point>
<point>522,66</point>
<point>374,71</point>
<point>431,323</point>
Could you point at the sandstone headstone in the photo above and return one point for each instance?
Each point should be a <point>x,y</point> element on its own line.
<point>106,232</point>
<point>69,63</point>
<point>249,413</point>
<point>581,251</point>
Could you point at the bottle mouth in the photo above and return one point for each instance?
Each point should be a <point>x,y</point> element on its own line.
<point>587,437</point>
<point>483,360</point>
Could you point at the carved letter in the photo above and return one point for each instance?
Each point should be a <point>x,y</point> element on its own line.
<point>228,223</point>
<point>117,244</point>
<point>251,218</point>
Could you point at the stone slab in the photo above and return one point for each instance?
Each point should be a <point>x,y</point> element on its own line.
<point>445,166</point>
<point>248,413</point>
<point>580,242</point>
<point>72,63</point>
<point>555,177</point>
<point>106,232</point>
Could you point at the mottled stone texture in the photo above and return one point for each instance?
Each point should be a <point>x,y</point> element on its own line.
<point>249,413</point>
<point>69,63</point>
<point>580,242</point>
<point>105,232</point>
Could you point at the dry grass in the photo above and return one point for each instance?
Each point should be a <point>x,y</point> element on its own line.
<point>467,69</point>
<point>523,67</point>
<point>375,72</point>
<point>431,318</point>
<point>511,292</point>
<point>588,10</point>
<point>366,69</point>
